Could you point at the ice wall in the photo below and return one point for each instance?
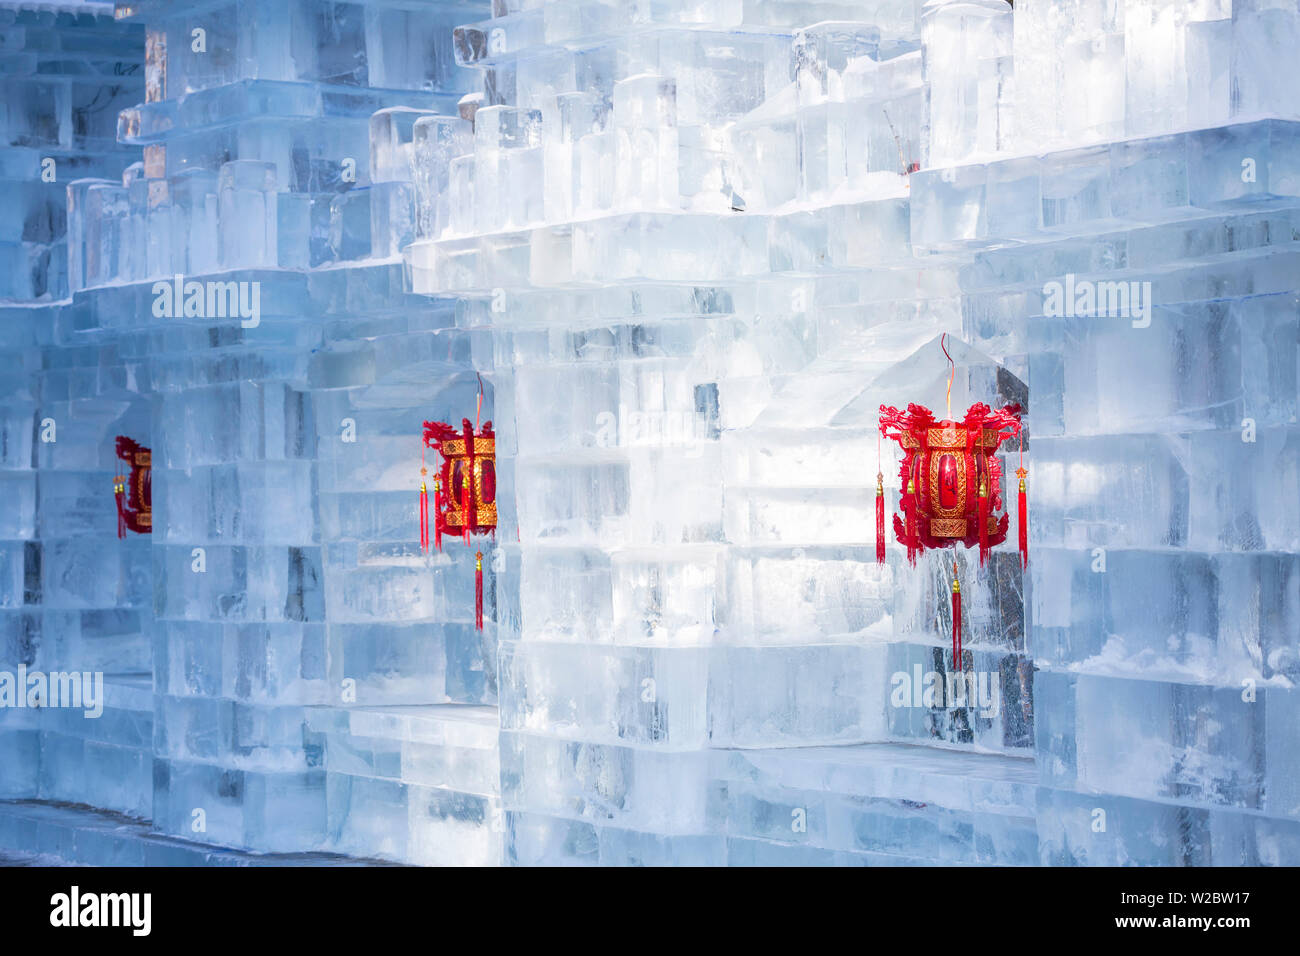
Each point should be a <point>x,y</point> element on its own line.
<point>73,597</point>
<point>688,249</point>
<point>1164,575</point>
<point>282,572</point>
<point>701,299</point>
<point>697,271</point>
<point>290,456</point>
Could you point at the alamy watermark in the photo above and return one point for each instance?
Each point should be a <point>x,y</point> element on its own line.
<point>208,300</point>
<point>1084,298</point>
<point>979,690</point>
<point>632,427</point>
<point>74,908</point>
<point>77,690</point>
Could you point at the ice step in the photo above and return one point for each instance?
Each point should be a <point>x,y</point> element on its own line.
<point>281,811</point>
<point>105,760</point>
<point>20,758</point>
<point>1207,239</point>
<point>1089,829</point>
<point>62,834</point>
<point>872,804</point>
<point>417,784</point>
<point>1097,189</point>
<point>441,745</point>
<point>853,691</point>
<point>63,753</point>
<point>876,803</point>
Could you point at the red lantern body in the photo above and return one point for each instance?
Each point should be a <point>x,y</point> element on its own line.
<point>134,493</point>
<point>465,491</point>
<point>952,478</point>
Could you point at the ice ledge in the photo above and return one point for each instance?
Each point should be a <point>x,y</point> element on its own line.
<point>95,8</point>
<point>63,834</point>
<point>951,778</point>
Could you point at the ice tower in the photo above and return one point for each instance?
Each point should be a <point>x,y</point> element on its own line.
<point>683,251</point>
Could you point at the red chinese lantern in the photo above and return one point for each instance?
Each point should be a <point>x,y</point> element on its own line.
<point>952,486</point>
<point>464,490</point>
<point>134,494</point>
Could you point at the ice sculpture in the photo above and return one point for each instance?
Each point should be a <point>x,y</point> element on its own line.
<point>690,248</point>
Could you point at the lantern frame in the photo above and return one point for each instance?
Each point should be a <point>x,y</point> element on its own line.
<point>134,493</point>
<point>947,468</point>
<point>467,453</point>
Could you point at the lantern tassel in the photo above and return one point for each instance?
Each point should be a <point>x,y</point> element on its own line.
<point>880,518</point>
<point>464,506</point>
<point>437,513</point>
<point>1023,520</point>
<point>119,495</point>
<point>467,482</point>
<point>956,620</point>
<point>424,518</point>
<point>983,518</point>
<point>478,590</point>
<point>910,529</point>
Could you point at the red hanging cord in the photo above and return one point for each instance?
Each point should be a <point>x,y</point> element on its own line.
<point>952,370</point>
<point>469,480</point>
<point>983,518</point>
<point>956,619</point>
<point>478,411</point>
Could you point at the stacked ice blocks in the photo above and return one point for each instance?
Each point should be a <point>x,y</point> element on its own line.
<point>68,71</point>
<point>281,454</point>
<point>685,251</point>
<point>1163,574</point>
<point>699,282</point>
<point>70,603</point>
<point>413,784</point>
<point>247,176</point>
<point>702,292</point>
